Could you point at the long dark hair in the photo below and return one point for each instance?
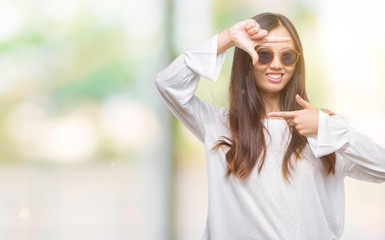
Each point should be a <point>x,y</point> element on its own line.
<point>247,145</point>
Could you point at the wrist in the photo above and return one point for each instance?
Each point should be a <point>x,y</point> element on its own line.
<point>224,41</point>
<point>229,38</point>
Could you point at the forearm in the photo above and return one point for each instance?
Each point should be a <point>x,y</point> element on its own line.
<point>177,84</point>
<point>363,158</point>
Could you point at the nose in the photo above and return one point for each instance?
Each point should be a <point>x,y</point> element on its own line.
<point>276,63</point>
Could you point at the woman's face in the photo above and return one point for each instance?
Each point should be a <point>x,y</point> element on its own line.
<point>273,77</point>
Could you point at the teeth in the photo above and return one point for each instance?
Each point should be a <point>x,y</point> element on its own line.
<point>274,75</point>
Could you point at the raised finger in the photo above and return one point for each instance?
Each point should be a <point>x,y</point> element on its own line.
<point>276,39</point>
<point>285,114</point>
<point>260,34</point>
<point>302,102</point>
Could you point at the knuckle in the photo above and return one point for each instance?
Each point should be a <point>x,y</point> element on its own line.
<point>264,32</point>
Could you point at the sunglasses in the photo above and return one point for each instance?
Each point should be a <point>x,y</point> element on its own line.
<point>288,57</point>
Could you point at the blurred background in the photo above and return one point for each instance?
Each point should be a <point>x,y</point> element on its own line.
<point>88,149</point>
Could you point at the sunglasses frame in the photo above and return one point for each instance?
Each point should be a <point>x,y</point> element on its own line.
<point>280,56</point>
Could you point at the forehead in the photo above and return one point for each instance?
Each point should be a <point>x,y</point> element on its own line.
<point>279,31</point>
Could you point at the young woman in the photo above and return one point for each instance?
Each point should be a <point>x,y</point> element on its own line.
<point>276,164</point>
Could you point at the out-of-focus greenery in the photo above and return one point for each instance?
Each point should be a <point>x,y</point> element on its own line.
<point>85,64</point>
<point>60,65</point>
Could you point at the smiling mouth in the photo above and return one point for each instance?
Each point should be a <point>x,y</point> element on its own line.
<point>275,75</point>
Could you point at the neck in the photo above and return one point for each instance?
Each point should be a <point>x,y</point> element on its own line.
<point>271,101</point>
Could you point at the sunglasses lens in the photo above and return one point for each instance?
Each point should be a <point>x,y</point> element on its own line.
<point>265,55</point>
<point>289,57</point>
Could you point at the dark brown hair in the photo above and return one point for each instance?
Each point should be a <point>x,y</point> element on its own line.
<point>247,109</point>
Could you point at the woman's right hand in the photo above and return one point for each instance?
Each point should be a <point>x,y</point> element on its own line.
<point>246,35</point>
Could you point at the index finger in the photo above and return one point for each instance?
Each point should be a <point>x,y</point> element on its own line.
<point>285,114</point>
<point>276,39</point>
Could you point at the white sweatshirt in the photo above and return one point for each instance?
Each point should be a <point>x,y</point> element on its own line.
<point>265,206</point>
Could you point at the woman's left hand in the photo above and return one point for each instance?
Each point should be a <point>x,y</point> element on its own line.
<point>305,120</point>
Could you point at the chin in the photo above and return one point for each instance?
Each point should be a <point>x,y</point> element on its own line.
<point>276,89</point>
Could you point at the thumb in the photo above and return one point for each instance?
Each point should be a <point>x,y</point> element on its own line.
<point>303,103</point>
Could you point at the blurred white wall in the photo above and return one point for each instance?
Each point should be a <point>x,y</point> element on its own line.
<point>351,47</point>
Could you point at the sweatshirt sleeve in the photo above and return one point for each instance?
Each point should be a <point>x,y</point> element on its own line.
<point>361,158</point>
<point>178,82</point>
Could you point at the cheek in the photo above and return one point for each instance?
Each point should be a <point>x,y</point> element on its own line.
<point>289,73</point>
<point>259,72</point>
<point>259,78</point>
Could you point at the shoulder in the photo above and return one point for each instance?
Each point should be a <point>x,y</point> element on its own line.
<point>327,111</point>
